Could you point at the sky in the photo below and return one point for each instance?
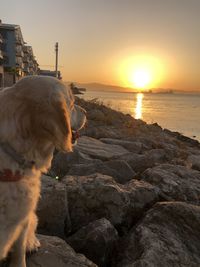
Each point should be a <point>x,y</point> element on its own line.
<point>105,41</point>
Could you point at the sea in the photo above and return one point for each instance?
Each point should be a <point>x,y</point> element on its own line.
<point>174,111</point>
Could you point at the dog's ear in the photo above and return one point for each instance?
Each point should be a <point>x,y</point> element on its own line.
<point>63,134</point>
<point>47,120</point>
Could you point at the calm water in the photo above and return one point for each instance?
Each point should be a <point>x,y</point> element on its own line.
<point>177,112</point>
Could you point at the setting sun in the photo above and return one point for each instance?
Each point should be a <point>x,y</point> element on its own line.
<point>141,78</point>
<point>141,71</point>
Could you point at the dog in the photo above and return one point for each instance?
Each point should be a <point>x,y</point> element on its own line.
<point>37,116</point>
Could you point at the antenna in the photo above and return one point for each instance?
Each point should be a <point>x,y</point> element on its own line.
<point>56,66</point>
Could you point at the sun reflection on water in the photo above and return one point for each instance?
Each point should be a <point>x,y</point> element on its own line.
<point>138,108</point>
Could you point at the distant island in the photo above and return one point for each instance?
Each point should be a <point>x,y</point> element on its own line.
<point>76,90</point>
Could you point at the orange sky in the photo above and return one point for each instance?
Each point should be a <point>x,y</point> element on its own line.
<point>98,38</point>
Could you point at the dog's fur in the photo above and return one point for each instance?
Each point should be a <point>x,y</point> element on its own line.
<point>36,116</point>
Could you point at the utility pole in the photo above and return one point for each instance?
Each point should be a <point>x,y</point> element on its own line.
<point>56,66</point>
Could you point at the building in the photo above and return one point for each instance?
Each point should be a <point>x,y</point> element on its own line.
<point>1,61</point>
<point>18,59</point>
<point>13,43</point>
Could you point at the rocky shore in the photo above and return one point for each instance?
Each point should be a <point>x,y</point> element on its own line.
<point>128,196</point>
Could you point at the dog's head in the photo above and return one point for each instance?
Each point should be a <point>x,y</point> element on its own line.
<point>45,111</point>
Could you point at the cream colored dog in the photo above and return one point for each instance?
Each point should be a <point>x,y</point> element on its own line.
<point>37,115</point>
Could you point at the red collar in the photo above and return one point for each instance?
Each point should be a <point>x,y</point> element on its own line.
<point>8,176</point>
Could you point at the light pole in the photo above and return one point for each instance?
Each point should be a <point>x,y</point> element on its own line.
<point>56,66</point>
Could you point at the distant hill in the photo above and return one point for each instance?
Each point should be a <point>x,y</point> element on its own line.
<point>103,87</point>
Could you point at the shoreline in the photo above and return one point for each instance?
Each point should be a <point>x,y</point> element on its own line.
<point>190,133</point>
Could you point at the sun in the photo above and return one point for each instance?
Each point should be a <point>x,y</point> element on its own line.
<point>141,72</point>
<point>141,78</point>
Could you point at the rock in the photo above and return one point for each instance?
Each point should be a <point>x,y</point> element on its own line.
<point>99,196</point>
<point>62,162</point>
<point>102,131</point>
<point>148,142</point>
<point>52,208</point>
<point>159,155</point>
<point>141,162</point>
<point>96,241</point>
<point>121,170</point>
<point>169,235</point>
<point>175,182</point>
<point>135,147</point>
<point>97,115</point>
<point>188,140</point>
<point>98,149</point>
<point>194,161</point>
<point>138,163</point>
<point>118,169</point>
<point>54,252</point>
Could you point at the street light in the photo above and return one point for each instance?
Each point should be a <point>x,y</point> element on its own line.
<point>56,67</point>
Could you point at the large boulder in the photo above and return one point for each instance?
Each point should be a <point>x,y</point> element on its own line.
<point>131,146</point>
<point>118,169</point>
<point>62,162</point>
<point>169,235</point>
<point>98,149</point>
<point>138,162</point>
<point>52,208</point>
<point>141,162</point>
<point>55,252</point>
<point>102,131</point>
<point>175,182</point>
<point>194,161</point>
<point>96,241</point>
<point>97,196</point>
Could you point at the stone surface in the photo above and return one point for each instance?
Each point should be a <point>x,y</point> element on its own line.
<point>169,235</point>
<point>97,196</point>
<point>97,115</point>
<point>98,149</point>
<point>102,131</point>
<point>54,252</point>
<point>62,162</point>
<point>135,147</point>
<point>52,209</point>
<point>175,182</point>
<point>138,162</point>
<point>118,169</point>
<point>194,161</point>
<point>96,241</point>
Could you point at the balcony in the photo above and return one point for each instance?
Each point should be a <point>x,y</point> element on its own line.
<point>1,54</point>
<point>25,59</point>
<point>31,65</point>
<point>26,69</point>
<point>19,51</point>
<point>19,61</point>
<point>19,54</point>
<point>1,39</point>
<point>18,40</point>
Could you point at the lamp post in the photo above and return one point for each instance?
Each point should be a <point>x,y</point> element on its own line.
<point>56,66</point>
